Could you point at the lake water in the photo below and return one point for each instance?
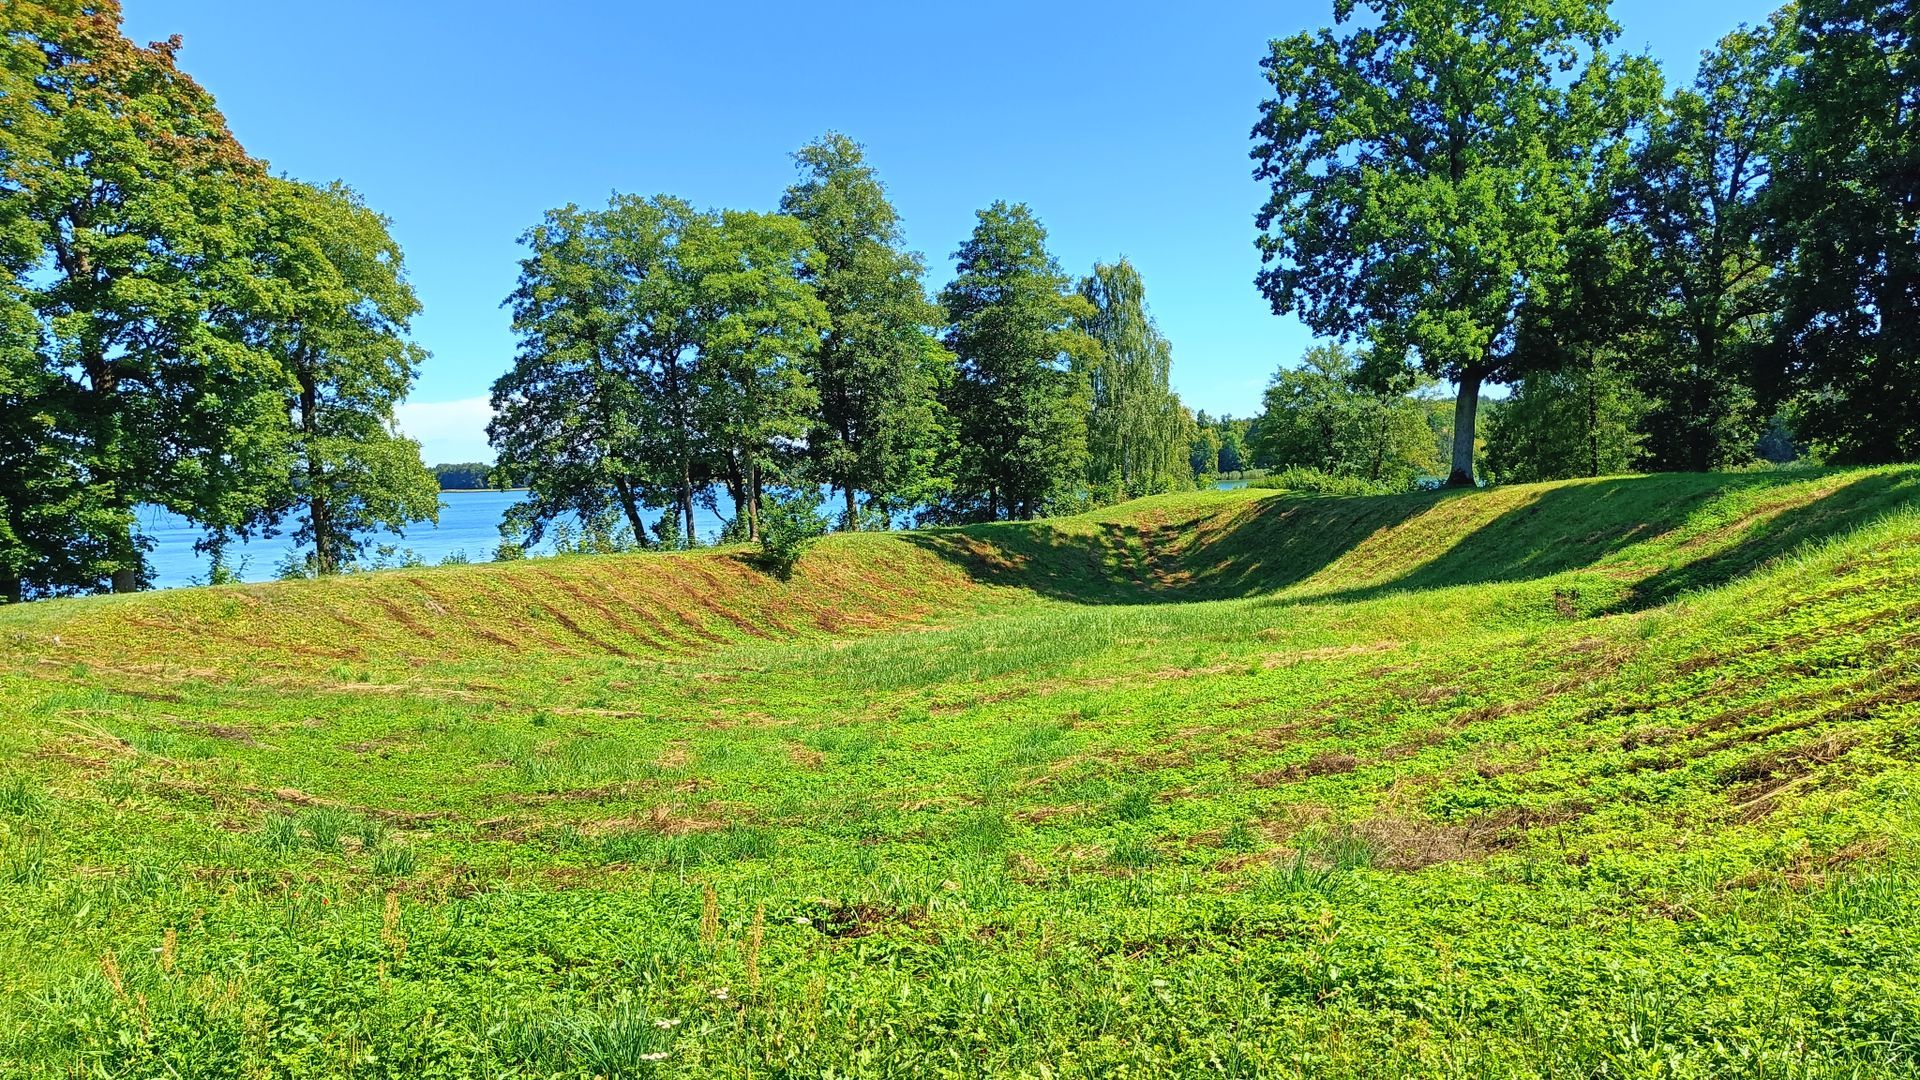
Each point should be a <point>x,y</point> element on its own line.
<point>469,525</point>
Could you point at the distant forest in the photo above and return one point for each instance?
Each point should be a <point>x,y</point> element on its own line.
<point>463,476</point>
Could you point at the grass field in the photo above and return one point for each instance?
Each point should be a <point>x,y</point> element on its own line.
<point>1613,778</point>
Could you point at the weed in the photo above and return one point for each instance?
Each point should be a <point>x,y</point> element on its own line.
<point>1133,851</point>
<point>280,833</point>
<point>323,826</point>
<point>1240,837</point>
<point>1134,804</point>
<point>392,860</point>
<point>20,796</point>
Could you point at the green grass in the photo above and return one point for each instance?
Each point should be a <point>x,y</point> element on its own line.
<point>1598,779</point>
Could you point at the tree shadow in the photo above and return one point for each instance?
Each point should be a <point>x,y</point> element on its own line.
<point>1792,530</point>
<point>1210,552</point>
<point>1697,531</point>
<point>1730,529</point>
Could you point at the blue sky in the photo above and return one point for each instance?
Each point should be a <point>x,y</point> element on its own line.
<point>1124,125</point>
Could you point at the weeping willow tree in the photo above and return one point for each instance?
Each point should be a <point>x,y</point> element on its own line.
<point>1138,435</point>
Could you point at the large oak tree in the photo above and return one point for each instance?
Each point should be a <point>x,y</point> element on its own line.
<point>1426,162</point>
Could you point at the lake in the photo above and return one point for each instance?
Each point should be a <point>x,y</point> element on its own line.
<point>469,525</point>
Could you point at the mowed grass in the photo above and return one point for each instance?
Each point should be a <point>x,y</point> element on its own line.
<point>1597,779</point>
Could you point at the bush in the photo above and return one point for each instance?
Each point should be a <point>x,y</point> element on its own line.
<point>1315,482</point>
<point>789,521</point>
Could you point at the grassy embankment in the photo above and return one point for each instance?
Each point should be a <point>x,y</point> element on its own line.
<point>1612,778</point>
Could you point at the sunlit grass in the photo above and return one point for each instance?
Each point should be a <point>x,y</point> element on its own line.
<point>1611,778</point>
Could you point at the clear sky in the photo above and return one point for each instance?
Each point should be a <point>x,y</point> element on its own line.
<point>1123,124</point>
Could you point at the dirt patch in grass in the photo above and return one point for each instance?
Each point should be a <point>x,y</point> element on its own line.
<point>1408,843</point>
<point>667,819</point>
<point>841,921</point>
<point>229,732</point>
<point>1325,763</point>
<point>1330,652</point>
<point>805,756</point>
<point>1415,743</point>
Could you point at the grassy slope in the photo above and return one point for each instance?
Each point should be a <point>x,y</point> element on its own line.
<point>1588,779</point>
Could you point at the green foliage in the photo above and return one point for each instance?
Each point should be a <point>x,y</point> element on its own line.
<point>335,309</point>
<point>880,429</point>
<point>1426,169</point>
<point>1318,417</point>
<point>125,210</point>
<point>661,348</point>
<point>790,521</point>
<point>597,412</point>
<point>1847,229</point>
<point>756,322</point>
<point>1138,433</point>
<point>463,476</point>
<point>177,326</point>
<point>1584,420</point>
<point>1020,399</point>
<point>1311,481</point>
<point>1222,445</point>
<point>1694,192</point>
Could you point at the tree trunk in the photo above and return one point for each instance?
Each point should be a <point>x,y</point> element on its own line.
<point>1593,423</point>
<point>319,512</point>
<point>753,500</point>
<point>853,510</point>
<point>104,382</point>
<point>632,507</point>
<point>1466,408</point>
<point>11,590</point>
<point>686,505</point>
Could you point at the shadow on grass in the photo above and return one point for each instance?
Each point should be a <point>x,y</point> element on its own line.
<point>1698,531</point>
<point>1210,553</point>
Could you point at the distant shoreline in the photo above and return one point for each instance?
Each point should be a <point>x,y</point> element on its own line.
<point>452,491</point>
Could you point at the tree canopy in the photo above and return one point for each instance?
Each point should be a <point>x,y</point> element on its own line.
<point>1138,434</point>
<point>1425,167</point>
<point>1020,400</point>
<point>879,371</point>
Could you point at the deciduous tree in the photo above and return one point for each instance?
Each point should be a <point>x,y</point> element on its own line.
<point>334,309</point>
<point>1138,435</point>
<point>598,412</point>
<point>754,326</point>
<point>1423,167</point>
<point>880,372</point>
<point>1694,198</point>
<point>1020,399</point>
<point>1319,416</point>
<point>1846,197</point>
<point>120,180</point>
